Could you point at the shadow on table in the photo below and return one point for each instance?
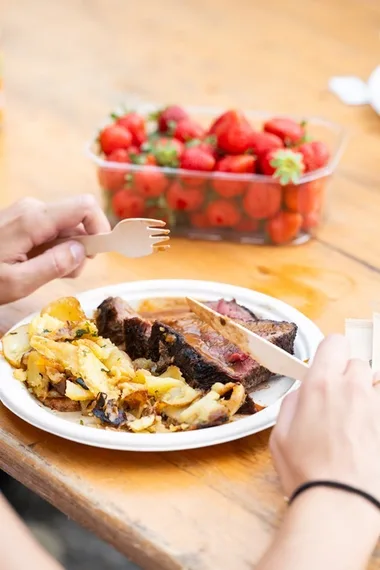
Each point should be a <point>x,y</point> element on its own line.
<point>72,545</point>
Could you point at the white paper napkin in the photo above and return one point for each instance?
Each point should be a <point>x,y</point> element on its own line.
<point>352,90</point>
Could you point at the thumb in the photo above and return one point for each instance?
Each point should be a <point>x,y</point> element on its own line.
<point>59,261</point>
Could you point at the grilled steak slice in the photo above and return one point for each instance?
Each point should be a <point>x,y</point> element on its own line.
<point>137,333</point>
<point>110,317</point>
<point>232,309</point>
<point>205,357</point>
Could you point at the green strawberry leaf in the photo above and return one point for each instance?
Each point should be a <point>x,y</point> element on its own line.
<point>289,166</point>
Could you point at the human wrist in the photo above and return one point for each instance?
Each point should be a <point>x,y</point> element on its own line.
<point>349,513</point>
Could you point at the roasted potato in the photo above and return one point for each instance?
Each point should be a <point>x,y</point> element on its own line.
<point>65,309</point>
<point>76,392</point>
<point>15,345</point>
<point>36,375</point>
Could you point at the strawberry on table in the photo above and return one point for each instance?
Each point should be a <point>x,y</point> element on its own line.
<point>306,197</point>
<point>150,182</point>
<point>262,200</point>
<point>169,117</point>
<point>195,158</point>
<point>188,129</point>
<point>113,138</point>
<point>127,204</point>
<point>233,132</point>
<point>186,199</point>
<point>113,179</point>
<point>262,143</point>
<point>233,164</point>
<point>310,221</point>
<point>284,227</point>
<point>135,124</point>
<point>223,213</point>
<point>288,130</point>
<point>199,220</point>
<point>247,225</point>
<point>208,144</point>
<point>284,164</point>
<point>315,155</point>
<point>167,151</point>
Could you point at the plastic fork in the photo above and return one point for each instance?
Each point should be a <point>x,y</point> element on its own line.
<point>134,237</point>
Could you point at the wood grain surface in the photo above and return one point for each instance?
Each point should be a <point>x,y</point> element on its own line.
<point>67,64</point>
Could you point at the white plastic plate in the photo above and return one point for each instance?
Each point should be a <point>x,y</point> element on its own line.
<point>16,397</point>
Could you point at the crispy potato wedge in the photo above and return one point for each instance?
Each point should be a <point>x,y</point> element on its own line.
<point>116,361</point>
<point>65,353</point>
<point>45,325</point>
<point>65,309</point>
<point>94,375</point>
<point>36,376</point>
<point>77,393</point>
<point>142,424</point>
<point>15,344</point>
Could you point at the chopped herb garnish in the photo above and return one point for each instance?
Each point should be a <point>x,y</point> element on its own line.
<point>104,370</point>
<point>80,332</point>
<point>12,333</point>
<point>46,331</point>
<point>81,422</point>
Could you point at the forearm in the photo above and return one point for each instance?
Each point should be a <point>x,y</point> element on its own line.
<point>17,544</point>
<point>324,529</point>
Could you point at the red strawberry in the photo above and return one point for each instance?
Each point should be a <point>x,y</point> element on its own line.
<point>284,164</point>
<point>188,129</point>
<point>195,158</point>
<point>151,182</point>
<point>135,124</point>
<point>310,221</point>
<point>187,199</point>
<point>223,213</point>
<point>304,198</point>
<point>126,204</point>
<point>208,144</point>
<point>114,179</point>
<point>287,129</point>
<point>114,137</point>
<point>238,164</point>
<point>199,220</point>
<point>169,117</point>
<point>233,132</point>
<point>315,155</point>
<point>262,143</point>
<point>262,200</point>
<point>247,225</point>
<point>166,151</point>
<point>284,227</point>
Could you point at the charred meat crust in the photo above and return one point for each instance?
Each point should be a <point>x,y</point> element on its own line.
<point>203,356</point>
<point>137,333</point>
<point>110,317</point>
<point>202,370</point>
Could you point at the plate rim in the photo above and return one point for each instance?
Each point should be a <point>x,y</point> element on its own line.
<point>110,439</point>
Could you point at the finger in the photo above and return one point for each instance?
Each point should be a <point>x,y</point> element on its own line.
<point>330,361</point>
<point>287,411</point>
<point>59,261</point>
<point>72,232</point>
<point>83,209</point>
<point>359,371</point>
<point>76,271</point>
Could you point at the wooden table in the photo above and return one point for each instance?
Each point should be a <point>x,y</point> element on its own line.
<point>67,64</point>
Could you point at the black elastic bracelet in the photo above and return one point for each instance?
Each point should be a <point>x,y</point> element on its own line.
<point>334,485</point>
